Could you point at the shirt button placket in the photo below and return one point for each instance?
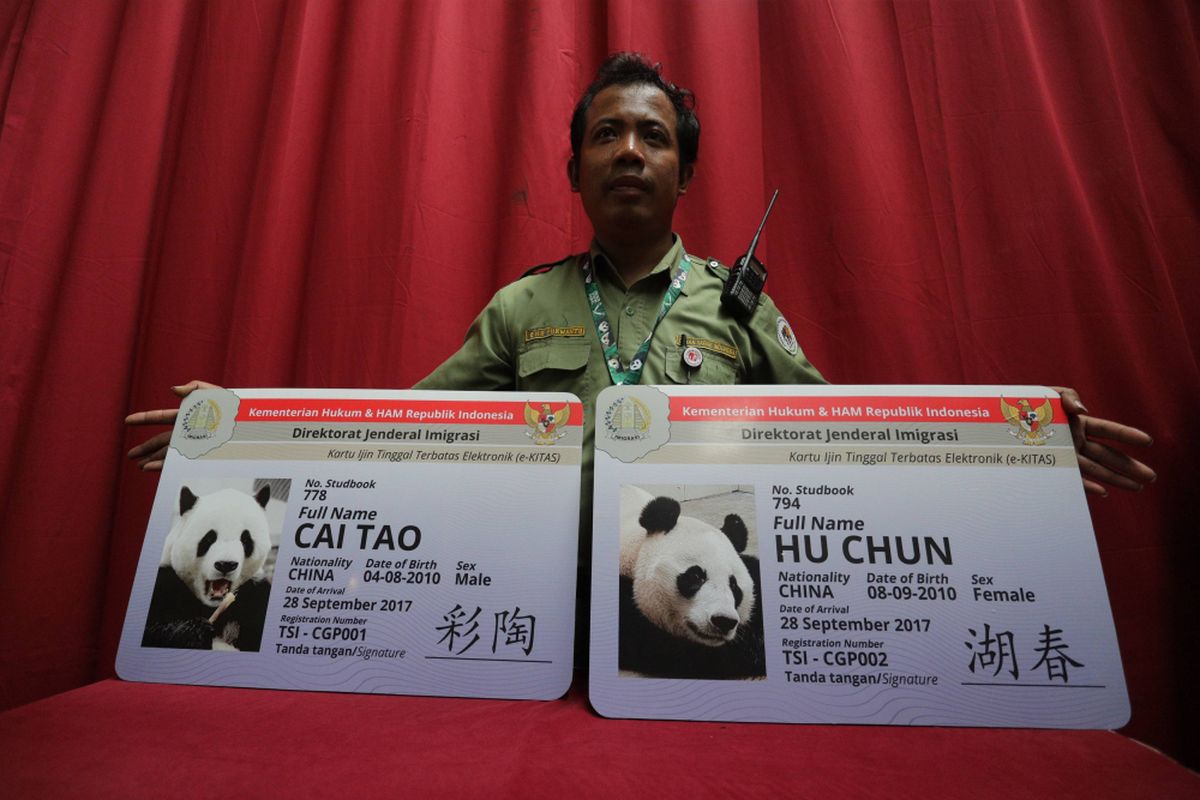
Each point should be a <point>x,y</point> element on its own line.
<point>635,335</point>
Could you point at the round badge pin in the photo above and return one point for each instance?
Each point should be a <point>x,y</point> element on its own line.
<point>693,357</point>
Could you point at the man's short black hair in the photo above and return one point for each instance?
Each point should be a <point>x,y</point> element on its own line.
<point>625,69</point>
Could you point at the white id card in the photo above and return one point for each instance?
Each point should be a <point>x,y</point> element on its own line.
<point>908,555</point>
<point>363,541</point>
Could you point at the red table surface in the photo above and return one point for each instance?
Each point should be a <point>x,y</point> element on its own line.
<point>128,740</point>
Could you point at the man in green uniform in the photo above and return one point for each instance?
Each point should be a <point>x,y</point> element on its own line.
<point>636,308</point>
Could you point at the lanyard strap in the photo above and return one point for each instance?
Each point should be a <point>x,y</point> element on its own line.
<point>632,373</point>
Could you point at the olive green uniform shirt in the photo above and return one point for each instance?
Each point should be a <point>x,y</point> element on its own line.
<point>537,335</point>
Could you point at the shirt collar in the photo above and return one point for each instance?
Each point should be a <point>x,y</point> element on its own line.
<point>663,267</point>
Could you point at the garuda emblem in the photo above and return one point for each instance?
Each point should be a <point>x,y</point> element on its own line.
<point>546,425</point>
<point>1030,425</point>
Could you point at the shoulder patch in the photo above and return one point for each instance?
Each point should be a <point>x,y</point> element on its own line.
<point>785,335</point>
<point>543,268</point>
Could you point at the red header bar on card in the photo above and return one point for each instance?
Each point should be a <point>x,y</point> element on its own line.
<point>403,412</point>
<point>853,409</point>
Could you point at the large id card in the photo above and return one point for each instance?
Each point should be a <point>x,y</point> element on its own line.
<point>908,555</point>
<point>363,541</point>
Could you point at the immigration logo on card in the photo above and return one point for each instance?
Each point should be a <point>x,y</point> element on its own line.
<point>634,423</point>
<point>206,421</point>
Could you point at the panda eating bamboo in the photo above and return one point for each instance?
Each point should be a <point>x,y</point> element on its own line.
<point>210,592</point>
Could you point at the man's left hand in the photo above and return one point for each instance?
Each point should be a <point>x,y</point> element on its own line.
<point>1102,463</point>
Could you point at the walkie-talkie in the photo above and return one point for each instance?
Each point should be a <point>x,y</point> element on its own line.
<point>747,277</point>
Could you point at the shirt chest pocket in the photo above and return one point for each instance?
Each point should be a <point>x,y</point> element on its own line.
<point>554,366</point>
<point>714,369</point>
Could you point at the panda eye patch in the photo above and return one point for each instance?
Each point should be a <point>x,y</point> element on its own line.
<point>737,591</point>
<point>205,543</point>
<point>247,543</point>
<point>690,582</point>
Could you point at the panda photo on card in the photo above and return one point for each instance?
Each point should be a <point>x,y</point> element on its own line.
<point>690,597</point>
<point>218,558</point>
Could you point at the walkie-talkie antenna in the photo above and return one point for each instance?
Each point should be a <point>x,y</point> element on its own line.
<point>758,233</point>
<point>747,276</point>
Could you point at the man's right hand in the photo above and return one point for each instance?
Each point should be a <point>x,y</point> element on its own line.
<point>151,453</point>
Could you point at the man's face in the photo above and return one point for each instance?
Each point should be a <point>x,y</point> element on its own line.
<point>628,172</point>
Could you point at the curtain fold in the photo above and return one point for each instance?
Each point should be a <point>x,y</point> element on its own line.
<point>324,194</point>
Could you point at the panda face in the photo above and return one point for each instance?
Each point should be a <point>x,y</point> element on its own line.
<point>220,541</point>
<point>691,582</point>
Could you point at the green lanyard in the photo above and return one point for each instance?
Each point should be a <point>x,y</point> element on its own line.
<point>631,374</point>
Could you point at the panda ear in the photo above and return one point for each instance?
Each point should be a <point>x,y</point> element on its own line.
<point>737,532</point>
<point>659,515</point>
<point>186,500</point>
<point>264,495</point>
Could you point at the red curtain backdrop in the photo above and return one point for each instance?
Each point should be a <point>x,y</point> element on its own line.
<point>324,194</point>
